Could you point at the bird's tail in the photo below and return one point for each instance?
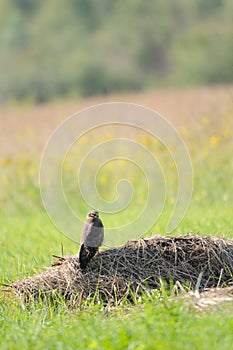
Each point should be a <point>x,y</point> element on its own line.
<point>83,257</point>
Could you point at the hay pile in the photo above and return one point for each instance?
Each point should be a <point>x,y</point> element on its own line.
<point>136,266</point>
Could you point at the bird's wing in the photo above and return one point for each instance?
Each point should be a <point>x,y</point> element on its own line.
<point>95,236</point>
<point>85,232</point>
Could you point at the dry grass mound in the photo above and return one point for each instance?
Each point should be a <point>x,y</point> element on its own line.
<point>136,266</point>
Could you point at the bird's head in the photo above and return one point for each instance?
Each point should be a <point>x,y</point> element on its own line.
<point>93,214</point>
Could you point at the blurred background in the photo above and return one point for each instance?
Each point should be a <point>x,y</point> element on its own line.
<point>60,56</point>
<point>80,48</point>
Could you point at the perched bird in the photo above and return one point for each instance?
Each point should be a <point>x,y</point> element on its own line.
<point>92,238</point>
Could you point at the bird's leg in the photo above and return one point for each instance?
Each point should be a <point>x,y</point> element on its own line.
<point>92,251</point>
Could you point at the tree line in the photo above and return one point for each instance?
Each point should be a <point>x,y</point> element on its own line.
<point>61,48</point>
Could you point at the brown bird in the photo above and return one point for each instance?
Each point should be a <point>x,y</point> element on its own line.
<point>92,238</point>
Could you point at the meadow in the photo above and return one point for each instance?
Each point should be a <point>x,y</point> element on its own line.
<point>28,238</point>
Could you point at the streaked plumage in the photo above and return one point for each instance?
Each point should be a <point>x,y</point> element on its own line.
<point>92,238</point>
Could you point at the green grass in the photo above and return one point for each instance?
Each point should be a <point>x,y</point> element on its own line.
<point>151,324</point>
<point>28,239</point>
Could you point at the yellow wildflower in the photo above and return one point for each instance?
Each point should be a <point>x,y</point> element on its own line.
<point>214,140</point>
<point>6,161</point>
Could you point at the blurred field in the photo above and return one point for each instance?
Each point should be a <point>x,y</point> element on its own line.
<point>30,126</point>
<point>204,118</point>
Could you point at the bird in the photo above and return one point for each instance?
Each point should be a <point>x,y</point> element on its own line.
<point>92,238</point>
